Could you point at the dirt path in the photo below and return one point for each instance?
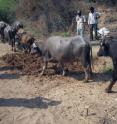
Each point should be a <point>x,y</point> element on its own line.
<point>54,99</point>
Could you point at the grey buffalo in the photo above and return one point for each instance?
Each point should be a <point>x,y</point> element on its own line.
<point>2,27</point>
<point>9,35</point>
<point>17,25</point>
<point>65,50</point>
<point>108,47</point>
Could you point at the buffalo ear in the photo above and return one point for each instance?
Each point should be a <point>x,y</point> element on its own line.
<point>102,41</point>
<point>111,38</point>
<point>103,37</point>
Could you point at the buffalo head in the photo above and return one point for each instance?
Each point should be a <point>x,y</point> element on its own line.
<point>36,48</point>
<point>104,47</point>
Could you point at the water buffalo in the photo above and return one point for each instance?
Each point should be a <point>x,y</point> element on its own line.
<point>24,40</point>
<point>65,50</point>
<point>37,48</point>
<point>9,35</point>
<point>108,47</point>
<point>2,26</point>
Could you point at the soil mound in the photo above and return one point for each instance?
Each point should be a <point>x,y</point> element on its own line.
<point>27,63</point>
<point>32,64</point>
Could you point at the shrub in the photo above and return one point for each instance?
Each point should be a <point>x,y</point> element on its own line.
<point>107,69</point>
<point>7,16</point>
<point>7,10</point>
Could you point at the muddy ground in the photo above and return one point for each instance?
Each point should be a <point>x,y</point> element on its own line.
<point>54,99</point>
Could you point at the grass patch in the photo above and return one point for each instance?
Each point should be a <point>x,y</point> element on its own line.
<point>63,34</point>
<point>107,69</point>
<point>7,10</point>
<point>7,5</point>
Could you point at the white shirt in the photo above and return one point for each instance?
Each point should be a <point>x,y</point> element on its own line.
<point>80,20</point>
<point>92,19</point>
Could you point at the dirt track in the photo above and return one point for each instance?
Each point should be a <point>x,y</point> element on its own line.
<point>55,99</point>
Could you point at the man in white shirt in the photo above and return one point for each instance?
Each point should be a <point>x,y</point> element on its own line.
<point>80,23</point>
<point>92,22</point>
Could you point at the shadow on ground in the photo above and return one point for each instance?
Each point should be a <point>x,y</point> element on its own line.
<point>8,75</point>
<point>38,102</point>
<point>6,68</point>
<point>95,77</point>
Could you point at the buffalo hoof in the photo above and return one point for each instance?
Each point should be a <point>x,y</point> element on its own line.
<point>3,41</point>
<point>42,74</point>
<point>64,73</point>
<point>85,81</point>
<point>15,50</point>
<point>107,90</point>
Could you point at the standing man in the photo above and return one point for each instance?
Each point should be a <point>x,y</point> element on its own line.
<point>92,22</point>
<point>80,23</point>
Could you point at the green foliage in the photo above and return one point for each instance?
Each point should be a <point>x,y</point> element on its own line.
<point>107,69</point>
<point>65,34</point>
<point>7,10</point>
<point>7,16</point>
<point>7,5</point>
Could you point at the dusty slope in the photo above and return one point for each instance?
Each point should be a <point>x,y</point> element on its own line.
<point>55,99</point>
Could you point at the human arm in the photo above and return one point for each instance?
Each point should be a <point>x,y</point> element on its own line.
<point>89,19</point>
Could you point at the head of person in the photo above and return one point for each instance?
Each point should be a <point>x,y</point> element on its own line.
<point>92,9</point>
<point>79,13</point>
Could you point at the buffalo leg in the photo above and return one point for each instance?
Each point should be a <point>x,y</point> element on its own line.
<point>45,63</point>
<point>13,45</point>
<point>86,62</point>
<point>2,34</point>
<point>28,47</point>
<point>29,50</point>
<point>87,71</point>
<point>62,68</point>
<point>109,88</point>
<point>63,71</point>
<point>87,75</point>
<point>25,48</point>
<point>2,37</point>
<point>44,67</point>
<point>113,81</point>
<point>10,38</point>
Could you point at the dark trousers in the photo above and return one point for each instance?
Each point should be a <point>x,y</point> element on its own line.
<point>93,27</point>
